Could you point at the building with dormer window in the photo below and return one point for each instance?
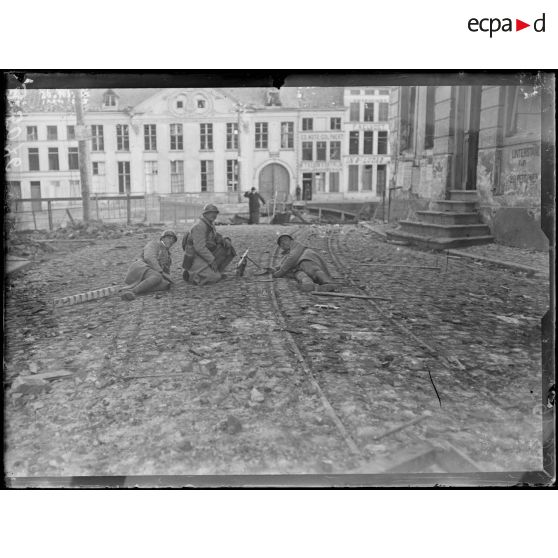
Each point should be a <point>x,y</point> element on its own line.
<point>215,142</point>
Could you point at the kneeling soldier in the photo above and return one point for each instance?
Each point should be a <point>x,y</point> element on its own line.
<point>305,264</point>
<point>151,272</point>
<point>206,252</point>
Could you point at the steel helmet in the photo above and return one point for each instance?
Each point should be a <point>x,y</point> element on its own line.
<point>170,233</point>
<point>210,208</point>
<point>283,236</point>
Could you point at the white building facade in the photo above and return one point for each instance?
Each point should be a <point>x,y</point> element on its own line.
<point>329,144</point>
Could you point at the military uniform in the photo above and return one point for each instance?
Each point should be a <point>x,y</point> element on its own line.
<point>306,266</point>
<point>204,246</point>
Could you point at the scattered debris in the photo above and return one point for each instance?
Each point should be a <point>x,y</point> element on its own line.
<point>326,307</point>
<point>29,385</point>
<point>256,396</point>
<point>456,363</point>
<point>231,425</point>
<point>508,320</point>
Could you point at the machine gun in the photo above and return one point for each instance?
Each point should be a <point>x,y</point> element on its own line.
<point>243,262</point>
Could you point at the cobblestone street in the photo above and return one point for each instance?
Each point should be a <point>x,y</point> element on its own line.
<point>223,379</point>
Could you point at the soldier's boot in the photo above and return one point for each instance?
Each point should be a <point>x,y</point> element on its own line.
<point>305,284</point>
<point>325,282</point>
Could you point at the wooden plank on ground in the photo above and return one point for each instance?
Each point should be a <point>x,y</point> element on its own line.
<point>350,295</point>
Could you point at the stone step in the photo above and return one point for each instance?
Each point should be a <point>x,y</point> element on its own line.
<point>463,195</point>
<point>439,243</point>
<point>448,218</point>
<point>442,231</point>
<point>453,206</point>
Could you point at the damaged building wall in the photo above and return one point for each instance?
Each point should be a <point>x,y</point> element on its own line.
<point>424,141</point>
<point>509,165</point>
<point>421,144</point>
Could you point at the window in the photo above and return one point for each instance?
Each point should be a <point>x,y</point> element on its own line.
<point>98,168</point>
<point>177,176</point>
<point>261,135</point>
<point>384,91</point>
<point>201,103</point>
<point>232,135</point>
<point>355,91</point>
<point>150,137</point>
<point>109,100</point>
<point>122,137</point>
<point>176,137</point>
<point>73,158</point>
<point>206,137</point>
<point>429,121</point>
<point>334,182</point>
<point>206,176</point>
<point>232,175</point>
<point>335,150</point>
<point>34,159</point>
<point>36,193</point>
<point>354,112</point>
<point>287,135</point>
<point>71,132</point>
<point>123,177</point>
<point>511,103</point>
<point>52,132</point>
<point>335,123</point>
<point>367,177</point>
<point>319,179</point>
<point>381,180</point>
<point>407,118</point>
<point>97,138</point>
<point>353,143</point>
<point>75,189</point>
<point>367,148</point>
<point>179,104</point>
<point>383,111</point>
<point>321,151</point>
<point>369,91</point>
<point>53,163</point>
<point>307,124</point>
<point>306,150</point>
<point>151,173</point>
<point>382,143</point>
<point>353,178</point>
<point>32,134</point>
<point>368,112</point>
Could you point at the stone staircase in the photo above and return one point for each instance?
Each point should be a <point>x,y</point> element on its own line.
<point>447,224</point>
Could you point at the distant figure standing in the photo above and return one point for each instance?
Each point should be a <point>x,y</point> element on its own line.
<point>254,200</point>
<point>298,192</point>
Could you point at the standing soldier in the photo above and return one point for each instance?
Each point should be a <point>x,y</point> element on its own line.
<point>206,252</point>
<point>254,200</point>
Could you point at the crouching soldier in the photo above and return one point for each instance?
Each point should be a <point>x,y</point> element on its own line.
<point>206,252</point>
<point>152,271</point>
<point>305,264</point>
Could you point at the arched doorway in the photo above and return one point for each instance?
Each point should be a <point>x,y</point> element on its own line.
<point>274,181</point>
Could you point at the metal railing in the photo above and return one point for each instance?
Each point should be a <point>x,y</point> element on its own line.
<point>51,213</point>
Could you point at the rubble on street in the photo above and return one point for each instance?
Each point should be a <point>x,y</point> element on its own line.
<point>209,380</point>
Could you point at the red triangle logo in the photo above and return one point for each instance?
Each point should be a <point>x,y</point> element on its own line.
<point>519,25</point>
